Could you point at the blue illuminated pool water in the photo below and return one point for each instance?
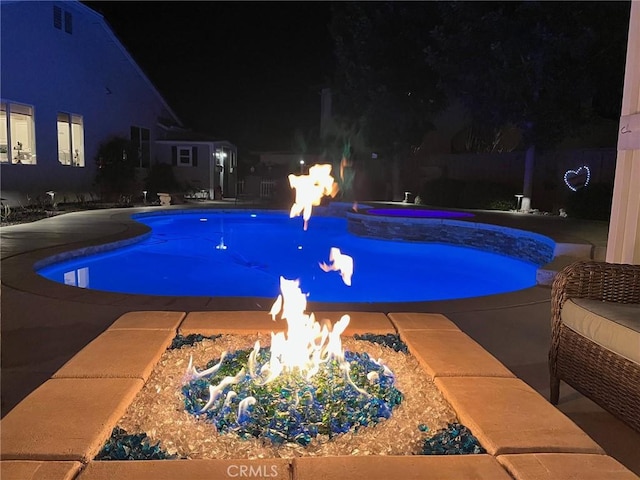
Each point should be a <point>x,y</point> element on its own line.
<point>241,254</point>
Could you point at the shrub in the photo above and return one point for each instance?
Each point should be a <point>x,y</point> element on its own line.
<point>161,179</point>
<point>445,192</point>
<point>592,202</point>
<point>486,195</point>
<point>116,160</point>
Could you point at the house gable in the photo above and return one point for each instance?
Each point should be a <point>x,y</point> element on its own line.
<point>62,60</point>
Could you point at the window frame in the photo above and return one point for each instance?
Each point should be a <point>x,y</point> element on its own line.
<point>9,108</point>
<point>141,144</point>
<point>76,146</point>
<point>180,149</point>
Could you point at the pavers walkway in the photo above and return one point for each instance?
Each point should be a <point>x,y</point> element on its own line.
<point>45,324</point>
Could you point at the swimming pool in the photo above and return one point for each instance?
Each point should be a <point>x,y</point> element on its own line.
<point>244,254</point>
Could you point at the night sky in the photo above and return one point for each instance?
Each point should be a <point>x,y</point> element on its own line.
<point>248,72</point>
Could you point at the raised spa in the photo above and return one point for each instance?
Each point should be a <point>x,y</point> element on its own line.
<point>244,254</point>
<point>418,213</point>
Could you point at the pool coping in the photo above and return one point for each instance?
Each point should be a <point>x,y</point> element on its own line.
<point>519,428</point>
<point>19,272</point>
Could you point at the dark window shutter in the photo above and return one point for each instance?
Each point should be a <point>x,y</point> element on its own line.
<point>57,17</point>
<point>174,155</point>
<point>194,156</point>
<point>68,25</point>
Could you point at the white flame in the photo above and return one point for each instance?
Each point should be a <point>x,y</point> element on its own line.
<point>214,392</point>
<point>306,344</point>
<point>310,189</point>
<point>373,377</point>
<point>341,263</point>
<point>302,349</point>
<point>192,373</point>
<point>230,396</point>
<point>243,406</point>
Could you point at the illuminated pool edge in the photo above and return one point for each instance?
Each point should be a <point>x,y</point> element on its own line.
<point>141,235</point>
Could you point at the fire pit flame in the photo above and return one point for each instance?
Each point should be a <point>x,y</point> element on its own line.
<point>307,343</point>
<point>244,406</point>
<point>214,392</point>
<point>310,189</point>
<point>341,263</point>
<point>302,350</point>
<point>193,373</point>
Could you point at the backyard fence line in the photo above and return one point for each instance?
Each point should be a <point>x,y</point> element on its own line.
<point>550,166</point>
<point>265,188</point>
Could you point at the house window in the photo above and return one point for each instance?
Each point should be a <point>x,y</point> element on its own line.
<point>70,140</point>
<point>233,163</point>
<point>4,135</point>
<point>184,156</point>
<point>140,140</point>
<point>17,134</point>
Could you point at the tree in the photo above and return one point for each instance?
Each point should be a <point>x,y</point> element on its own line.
<point>545,67</point>
<point>383,87</point>
<point>161,178</point>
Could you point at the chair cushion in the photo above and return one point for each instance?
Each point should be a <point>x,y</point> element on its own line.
<point>614,326</point>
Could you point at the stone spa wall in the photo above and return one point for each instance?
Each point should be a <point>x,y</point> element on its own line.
<point>520,244</point>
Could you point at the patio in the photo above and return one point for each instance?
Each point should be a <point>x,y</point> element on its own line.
<point>45,324</point>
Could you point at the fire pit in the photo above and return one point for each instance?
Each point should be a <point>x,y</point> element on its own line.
<point>348,422</point>
<point>65,422</point>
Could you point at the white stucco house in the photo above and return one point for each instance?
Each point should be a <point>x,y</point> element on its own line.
<point>68,84</point>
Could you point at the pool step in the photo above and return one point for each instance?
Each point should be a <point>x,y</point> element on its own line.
<point>565,254</point>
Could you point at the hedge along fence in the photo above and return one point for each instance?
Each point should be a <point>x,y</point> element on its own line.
<point>503,176</point>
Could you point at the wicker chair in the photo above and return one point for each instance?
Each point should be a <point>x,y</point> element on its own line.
<point>610,380</point>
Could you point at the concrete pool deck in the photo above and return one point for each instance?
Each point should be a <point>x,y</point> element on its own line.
<point>46,324</point>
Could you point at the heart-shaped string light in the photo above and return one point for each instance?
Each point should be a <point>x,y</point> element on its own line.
<point>570,174</point>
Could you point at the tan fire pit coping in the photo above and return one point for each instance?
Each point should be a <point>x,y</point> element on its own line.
<point>35,470</point>
<point>58,429</point>
<point>553,466</point>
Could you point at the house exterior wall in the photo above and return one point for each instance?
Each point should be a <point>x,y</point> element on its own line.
<point>206,174</point>
<point>189,177</point>
<point>86,72</point>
